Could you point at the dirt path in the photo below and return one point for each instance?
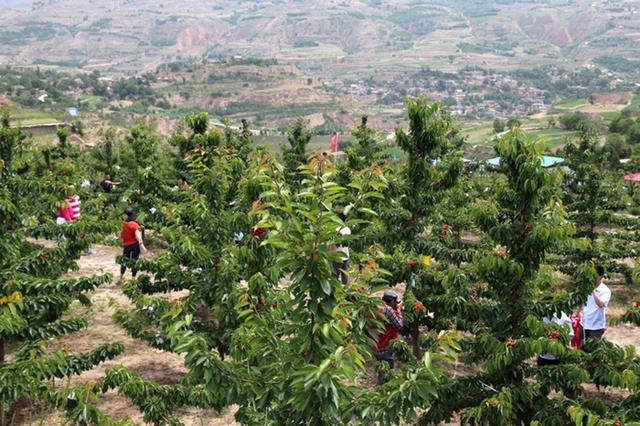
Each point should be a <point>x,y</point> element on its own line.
<point>161,367</point>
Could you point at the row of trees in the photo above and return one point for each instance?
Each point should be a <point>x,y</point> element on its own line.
<point>291,353</point>
<point>33,296</point>
<point>267,326</point>
<point>25,85</point>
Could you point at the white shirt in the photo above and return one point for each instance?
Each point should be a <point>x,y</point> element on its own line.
<point>343,231</point>
<point>74,201</point>
<point>564,321</point>
<point>593,317</point>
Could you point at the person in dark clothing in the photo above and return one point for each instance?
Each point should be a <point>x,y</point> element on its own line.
<point>131,242</point>
<point>107,184</point>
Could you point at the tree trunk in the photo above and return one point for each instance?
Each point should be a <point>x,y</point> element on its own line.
<point>415,339</point>
<point>1,351</point>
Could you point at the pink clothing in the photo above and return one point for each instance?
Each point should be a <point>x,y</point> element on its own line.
<point>575,324</point>
<point>66,213</point>
<point>74,201</point>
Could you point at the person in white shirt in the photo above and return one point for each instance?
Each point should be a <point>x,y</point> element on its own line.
<point>564,321</point>
<point>342,267</point>
<point>594,319</point>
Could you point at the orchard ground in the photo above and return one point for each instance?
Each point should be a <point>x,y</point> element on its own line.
<point>168,368</point>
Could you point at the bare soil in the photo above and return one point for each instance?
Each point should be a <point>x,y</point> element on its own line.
<point>168,368</point>
<point>160,367</point>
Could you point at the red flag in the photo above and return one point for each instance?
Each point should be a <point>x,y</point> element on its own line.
<point>334,143</point>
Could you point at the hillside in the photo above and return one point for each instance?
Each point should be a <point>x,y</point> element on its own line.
<point>325,36</point>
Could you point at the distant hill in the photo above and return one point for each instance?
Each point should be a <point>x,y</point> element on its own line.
<point>322,36</point>
<point>6,4</point>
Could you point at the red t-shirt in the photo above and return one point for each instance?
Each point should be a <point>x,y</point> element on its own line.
<point>128,233</point>
<point>390,332</point>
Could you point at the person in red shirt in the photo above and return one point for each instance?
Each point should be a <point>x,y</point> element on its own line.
<point>131,242</point>
<point>391,312</point>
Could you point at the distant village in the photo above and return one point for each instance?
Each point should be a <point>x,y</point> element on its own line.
<point>471,94</point>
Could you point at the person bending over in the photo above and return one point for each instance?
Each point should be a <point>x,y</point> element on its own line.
<point>392,315</point>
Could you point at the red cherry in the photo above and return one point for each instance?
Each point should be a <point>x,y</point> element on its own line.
<point>412,262</point>
<point>637,303</point>
<point>494,405</point>
<point>44,255</point>
<point>442,236</point>
<point>419,307</point>
<point>446,227</point>
<point>472,294</point>
<point>501,253</point>
<point>511,342</point>
<point>258,233</point>
<point>554,334</point>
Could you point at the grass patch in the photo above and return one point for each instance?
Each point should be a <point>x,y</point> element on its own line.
<point>34,121</point>
<point>479,133</point>
<point>552,137</point>
<point>635,102</point>
<point>26,117</point>
<point>91,102</point>
<point>571,104</point>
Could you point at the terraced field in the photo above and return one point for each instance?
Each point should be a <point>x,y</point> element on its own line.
<point>330,37</point>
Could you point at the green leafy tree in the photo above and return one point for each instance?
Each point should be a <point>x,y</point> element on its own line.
<point>512,123</point>
<point>78,127</point>
<point>34,299</point>
<point>200,138</point>
<point>365,150</point>
<point>315,332</point>
<point>63,134</point>
<point>199,123</point>
<point>617,148</point>
<point>10,139</point>
<point>145,171</point>
<point>498,126</point>
<point>500,299</point>
<point>107,153</point>
<point>586,196</point>
<point>432,165</point>
<point>295,155</point>
<point>417,193</point>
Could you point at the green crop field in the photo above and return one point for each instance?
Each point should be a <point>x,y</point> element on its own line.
<point>552,137</point>
<point>90,102</point>
<point>25,117</point>
<point>572,104</point>
<point>635,102</point>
